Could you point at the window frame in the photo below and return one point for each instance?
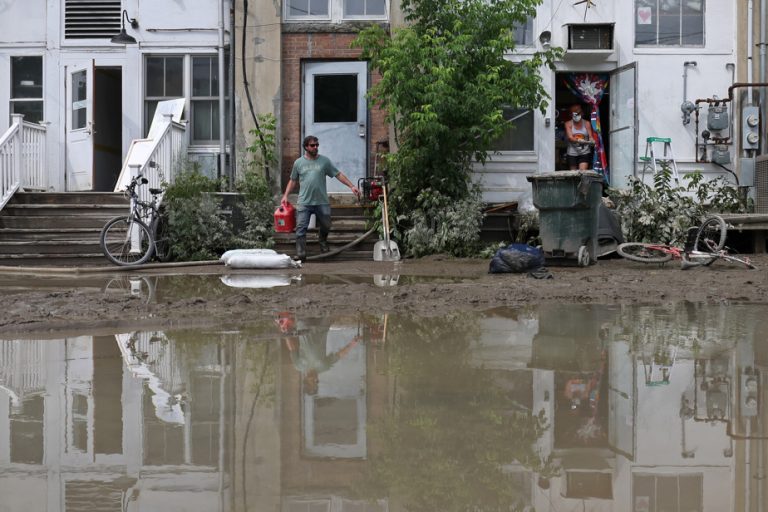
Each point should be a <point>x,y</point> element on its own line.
<point>187,95</point>
<point>12,101</point>
<point>517,113</point>
<point>680,34</point>
<point>207,99</point>
<point>335,14</point>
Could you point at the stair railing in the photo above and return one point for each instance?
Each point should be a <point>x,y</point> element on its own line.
<point>22,158</point>
<point>157,158</point>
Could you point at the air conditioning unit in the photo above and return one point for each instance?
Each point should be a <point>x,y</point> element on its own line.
<point>590,36</point>
<point>761,184</point>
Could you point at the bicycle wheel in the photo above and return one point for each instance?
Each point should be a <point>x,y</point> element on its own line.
<point>117,244</point>
<point>162,245</point>
<point>644,253</point>
<point>711,235</point>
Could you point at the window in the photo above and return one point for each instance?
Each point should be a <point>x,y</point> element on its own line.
<point>335,10</point>
<point>669,23</point>
<point>524,33</point>
<point>204,103</point>
<point>165,80</point>
<point>27,87</point>
<point>519,135</point>
<point>676,493</point>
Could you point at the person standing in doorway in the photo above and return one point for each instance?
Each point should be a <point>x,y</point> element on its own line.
<point>580,138</point>
<point>309,172</point>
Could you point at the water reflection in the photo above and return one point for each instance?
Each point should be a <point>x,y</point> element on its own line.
<point>553,408</point>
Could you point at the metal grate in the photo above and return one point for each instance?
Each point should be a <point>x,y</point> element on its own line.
<point>91,19</point>
<point>590,37</point>
<point>761,184</point>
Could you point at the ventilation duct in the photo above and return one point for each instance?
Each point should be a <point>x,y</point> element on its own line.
<point>91,19</point>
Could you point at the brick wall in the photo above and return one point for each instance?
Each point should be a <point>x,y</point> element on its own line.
<point>298,48</point>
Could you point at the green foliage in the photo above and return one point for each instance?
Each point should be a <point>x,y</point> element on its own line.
<point>663,212</point>
<point>257,207</point>
<point>444,82</point>
<point>196,228</point>
<point>440,224</point>
<point>256,202</point>
<point>263,150</point>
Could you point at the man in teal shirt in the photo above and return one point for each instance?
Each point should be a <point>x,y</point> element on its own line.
<point>310,171</point>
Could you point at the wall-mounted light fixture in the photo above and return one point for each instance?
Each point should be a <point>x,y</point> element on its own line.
<point>545,38</point>
<point>122,37</point>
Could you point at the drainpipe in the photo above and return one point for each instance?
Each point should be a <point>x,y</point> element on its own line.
<point>222,110</point>
<point>231,76</point>
<point>761,44</point>
<point>750,64</point>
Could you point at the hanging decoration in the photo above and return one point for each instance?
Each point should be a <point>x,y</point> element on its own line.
<point>589,3</point>
<point>589,88</point>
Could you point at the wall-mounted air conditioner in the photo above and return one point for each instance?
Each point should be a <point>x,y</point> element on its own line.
<point>590,36</point>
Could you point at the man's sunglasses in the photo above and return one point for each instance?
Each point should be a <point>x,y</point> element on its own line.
<point>312,145</point>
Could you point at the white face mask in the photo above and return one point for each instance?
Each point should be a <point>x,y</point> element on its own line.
<point>576,118</point>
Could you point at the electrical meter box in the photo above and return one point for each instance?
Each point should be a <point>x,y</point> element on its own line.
<point>750,127</point>
<point>717,117</point>
<point>721,155</point>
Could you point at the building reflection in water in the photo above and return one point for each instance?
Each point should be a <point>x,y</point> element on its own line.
<point>553,408</point>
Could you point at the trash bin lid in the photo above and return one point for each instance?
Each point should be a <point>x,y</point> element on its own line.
<point>563,175</point>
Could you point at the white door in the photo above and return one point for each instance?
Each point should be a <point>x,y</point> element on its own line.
<point>623,123</point>
<point>79,126</point>
<point>335,112</point>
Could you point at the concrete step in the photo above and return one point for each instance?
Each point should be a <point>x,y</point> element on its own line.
<point>56,222</point>
<point>42,234</point>
<point>46,210</point>
<point>44,247</point>
<point>86,198</point>
<point>54,260</point>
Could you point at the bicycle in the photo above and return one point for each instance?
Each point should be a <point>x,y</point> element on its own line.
<point>703,249</point>
<point>130,240</point>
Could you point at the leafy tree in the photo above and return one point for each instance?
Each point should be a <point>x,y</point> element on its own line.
<point>444,82</point>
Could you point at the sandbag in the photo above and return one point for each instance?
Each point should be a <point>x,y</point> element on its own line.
<point>264,260</point>
<point>260,281</point>
<point>232,252</point>
<point>516,259</point>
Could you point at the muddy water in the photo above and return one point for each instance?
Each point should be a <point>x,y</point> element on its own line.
<point>553,408</point>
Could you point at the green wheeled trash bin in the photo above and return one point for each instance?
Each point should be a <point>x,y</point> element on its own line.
<point>568,204</point>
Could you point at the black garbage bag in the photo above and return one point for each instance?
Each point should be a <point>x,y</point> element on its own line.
<point>516,259</point>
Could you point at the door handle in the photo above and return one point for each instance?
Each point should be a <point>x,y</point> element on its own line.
<point>90,130</point>
<point>361,130</point>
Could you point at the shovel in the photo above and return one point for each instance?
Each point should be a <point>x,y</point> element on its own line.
<point>385,250</point>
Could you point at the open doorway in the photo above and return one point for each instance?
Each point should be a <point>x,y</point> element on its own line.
<point>565,97</point>
<point>108,127</point>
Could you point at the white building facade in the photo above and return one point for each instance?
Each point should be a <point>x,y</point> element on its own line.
<point>654,54</point>
<point>59,67</point>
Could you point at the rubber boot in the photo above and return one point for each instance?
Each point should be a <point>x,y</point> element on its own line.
<point>324,243</point>
<point>301,248</point>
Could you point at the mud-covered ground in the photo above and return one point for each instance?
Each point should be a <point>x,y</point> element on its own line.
<point>186,296</point>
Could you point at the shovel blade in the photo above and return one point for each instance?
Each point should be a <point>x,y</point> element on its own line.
<point>384,252</point>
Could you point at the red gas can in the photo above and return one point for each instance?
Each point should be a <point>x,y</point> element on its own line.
<point>285,218</point>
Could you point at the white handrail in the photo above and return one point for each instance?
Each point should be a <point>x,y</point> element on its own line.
<point>157,159</point>
<point>22,158</point>
<point>10,156</point>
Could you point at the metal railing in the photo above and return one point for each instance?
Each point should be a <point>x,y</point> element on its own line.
<point>22,158</point>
